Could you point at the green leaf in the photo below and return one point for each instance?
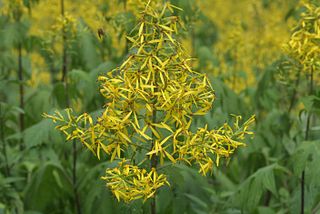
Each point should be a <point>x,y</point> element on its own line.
<point>38,133</point>
<point>38,102</point>
<point>60,94</point>
<point>45,187</point>
<point>250,191</point>
<point>305,152</point>
<point>265,210</point>
<point>197,201</point>
<point>88,49</point>
<point>311,102</point>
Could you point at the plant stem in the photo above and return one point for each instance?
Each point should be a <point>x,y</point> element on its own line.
<point>4,146</point>
<point>267,199</point>
<point>125,5</point>
<point>74,178</point>
<point>294,94</point>
<point>234,70</point>
<point>64,51</point>
<point>307,133</point>
<point>126,49</point>
<point>154,161</point>
<point>74,145</point>
<point>193,41</point>
<point>21,94</point>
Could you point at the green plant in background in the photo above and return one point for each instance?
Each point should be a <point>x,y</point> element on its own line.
<point>151,100</point>
<point>15,10</point>
<point>304,42</point>
<point>304,50</point>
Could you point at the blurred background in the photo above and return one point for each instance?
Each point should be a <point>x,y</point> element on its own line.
<point>239,44</point>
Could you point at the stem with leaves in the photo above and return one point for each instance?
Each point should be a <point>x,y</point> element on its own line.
<point>74,178</point>
<point>64,53</point>
<point>65,81</point>
<point>154,161</point>
<point>4,146</point>
<point>306,138</point>
<point>126,49</point>
<point>21,94</point>
<point>294,94</point>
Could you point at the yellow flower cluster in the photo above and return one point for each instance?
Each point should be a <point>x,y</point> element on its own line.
<point>206,145</point>
<point>304,45</point>
<point>109,128</point>
<point>250,35</point>
<point>39,74</point>
<point>13,8</point>
<point>128,182</point>
<point>150,102</point>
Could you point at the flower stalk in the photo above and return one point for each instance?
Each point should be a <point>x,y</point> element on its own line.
<point>64,79</point>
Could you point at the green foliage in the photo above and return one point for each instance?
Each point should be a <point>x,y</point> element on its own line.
<point>264,177</point>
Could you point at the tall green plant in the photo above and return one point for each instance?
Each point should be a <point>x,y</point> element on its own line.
<point>304,48</point>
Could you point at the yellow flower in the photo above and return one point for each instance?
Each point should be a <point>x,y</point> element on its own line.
<point>304,42</point>
<point>128,182</point>
<point>151,100</point>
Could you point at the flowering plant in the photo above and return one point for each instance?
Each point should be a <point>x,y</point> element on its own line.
<point>151,100</point>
